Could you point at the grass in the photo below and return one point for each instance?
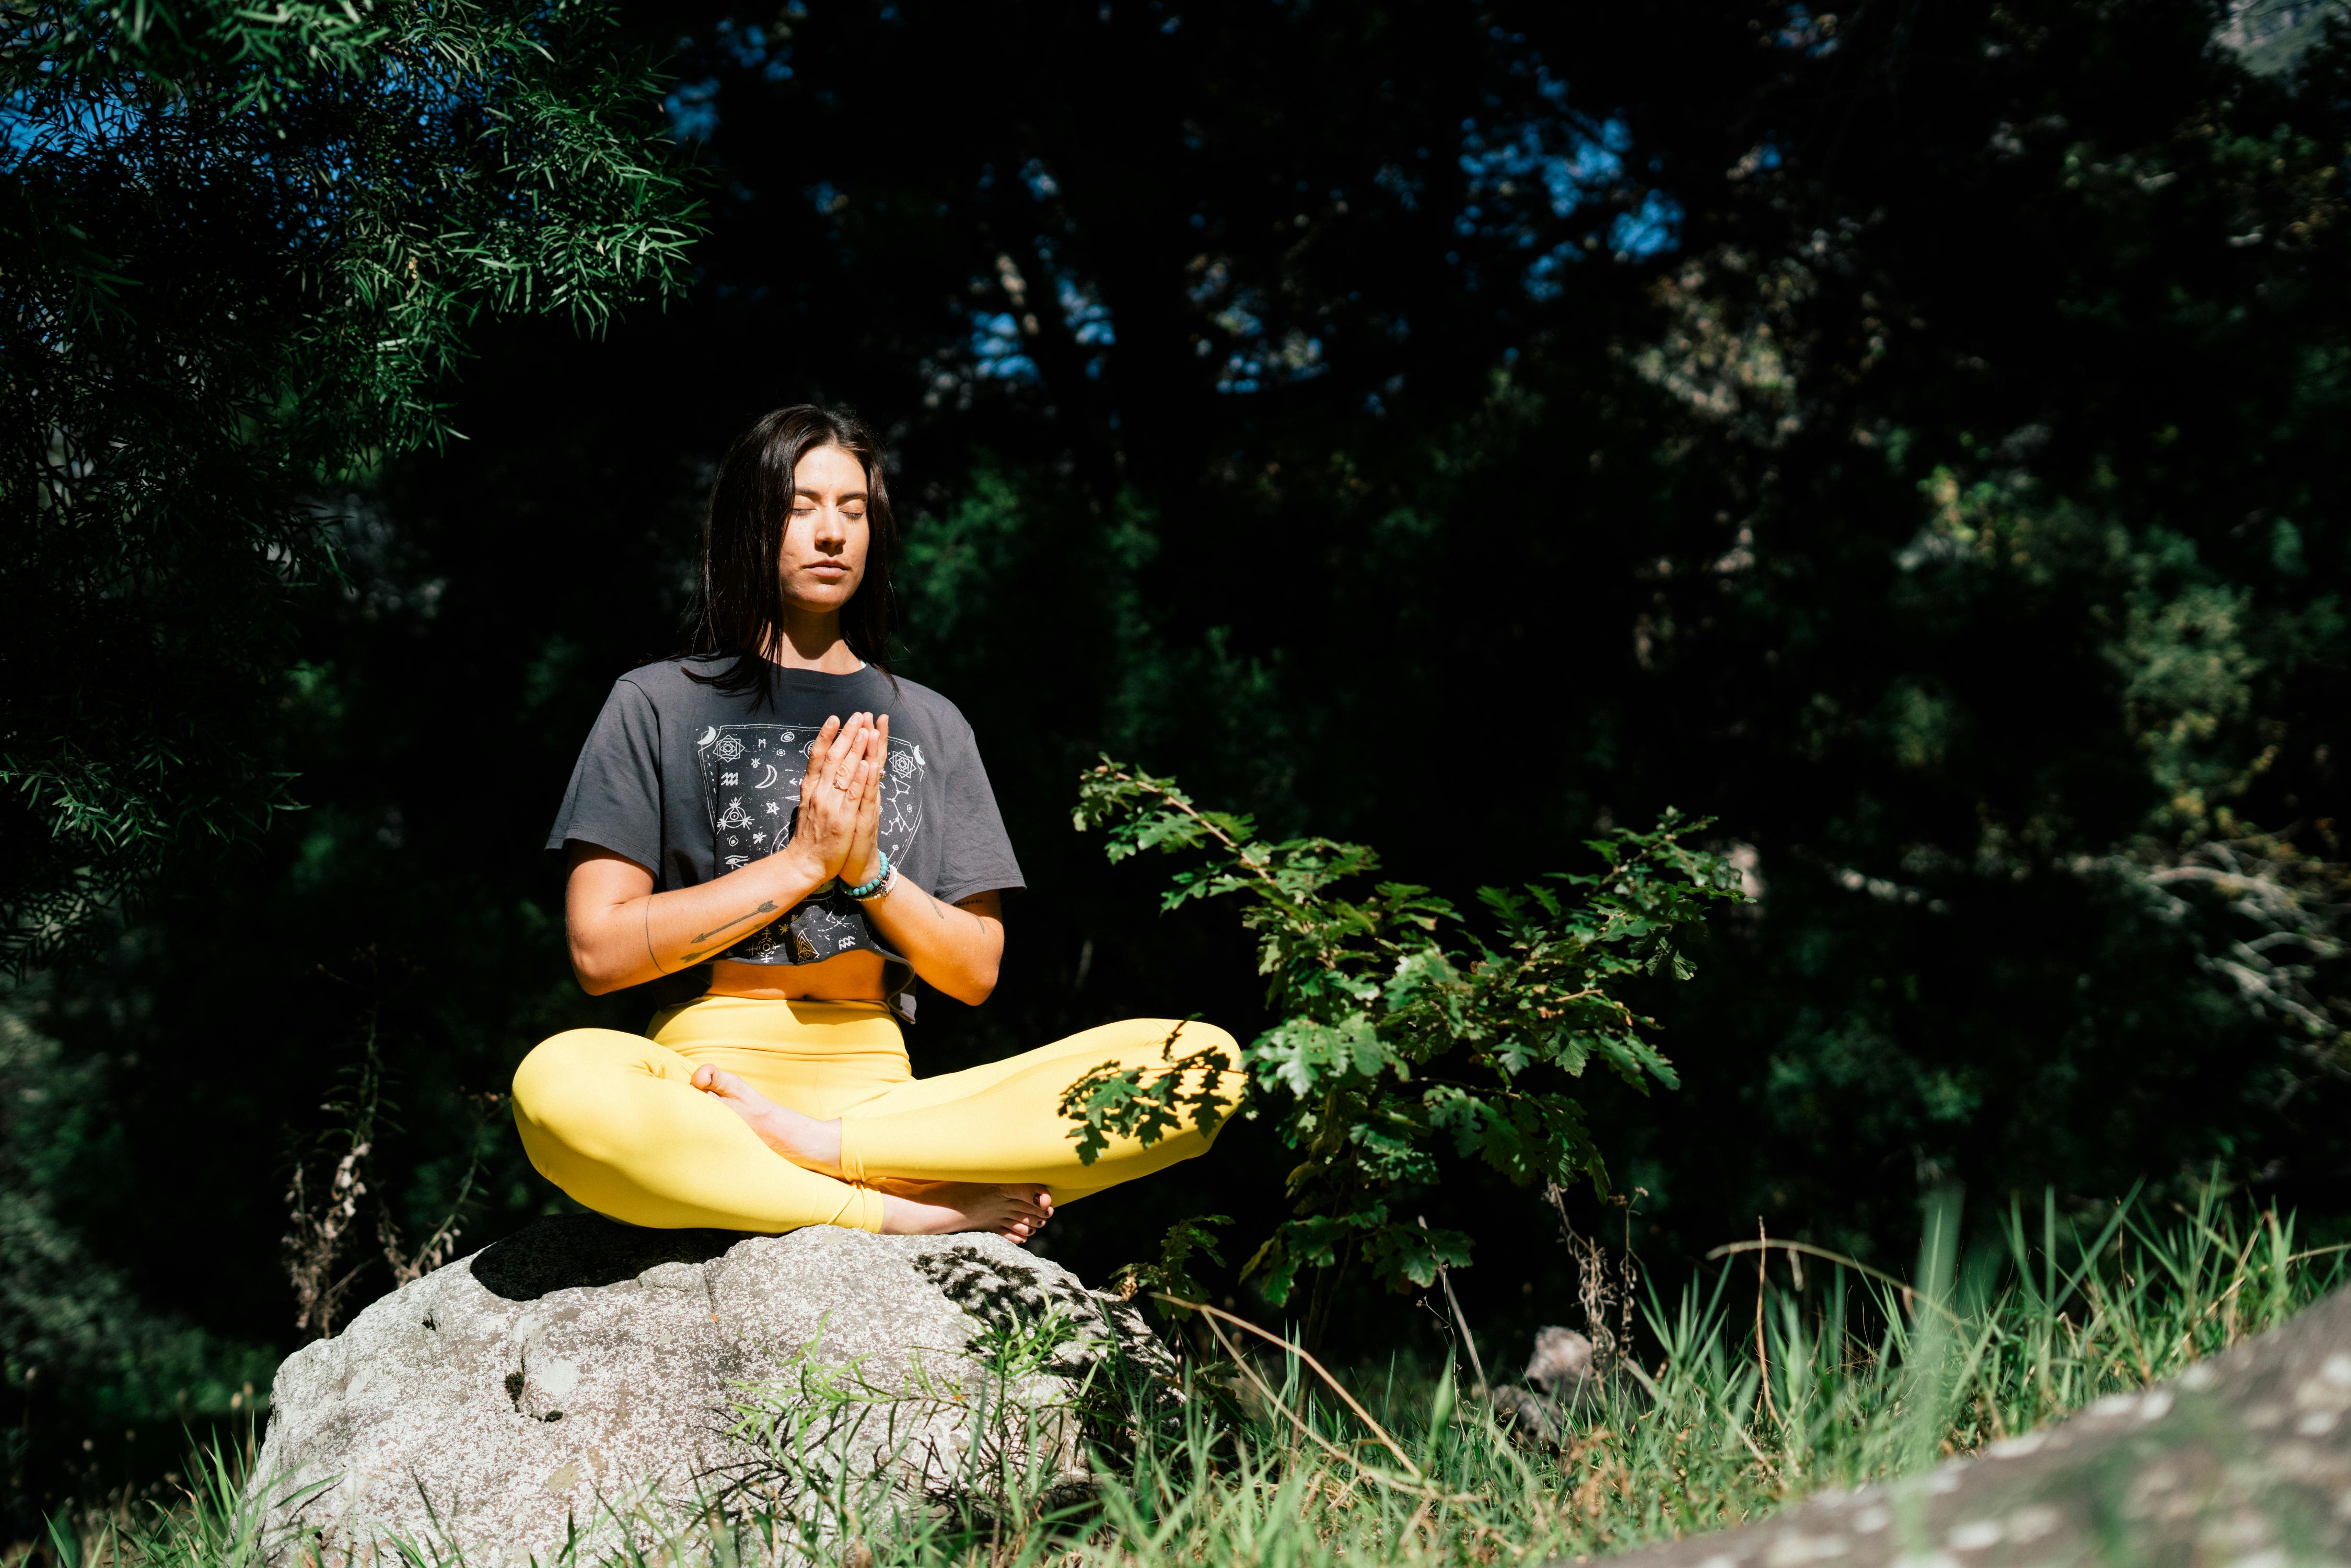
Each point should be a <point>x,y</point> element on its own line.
<point>1786,1373</point>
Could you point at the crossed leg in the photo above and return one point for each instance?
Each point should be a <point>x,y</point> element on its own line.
<point>1000,1122</point>
<point>635,1130</point>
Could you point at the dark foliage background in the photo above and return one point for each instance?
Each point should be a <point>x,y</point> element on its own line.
<point>1914,437</point>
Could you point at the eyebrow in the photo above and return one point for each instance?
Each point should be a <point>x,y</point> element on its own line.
<point>818,496</point>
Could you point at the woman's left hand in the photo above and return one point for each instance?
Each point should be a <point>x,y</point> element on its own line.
<point>864,861</point>
<point>957,947</point>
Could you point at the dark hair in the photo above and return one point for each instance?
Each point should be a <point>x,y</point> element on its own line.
<point>742,600</point>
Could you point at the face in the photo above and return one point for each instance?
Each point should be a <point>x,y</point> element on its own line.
<point>824,543</point>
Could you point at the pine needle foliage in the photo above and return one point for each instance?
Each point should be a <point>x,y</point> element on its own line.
<point>1408,1035</point>
<point>239,246</point>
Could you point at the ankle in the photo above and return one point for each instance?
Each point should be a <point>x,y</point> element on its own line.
<point>910,1216</point>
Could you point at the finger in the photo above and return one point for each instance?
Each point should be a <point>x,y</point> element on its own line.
<point>840,737</point>
<point>870,803</point>
<point>863,748</point>
<point>848,778</point>
<point>821,749</point>
<point>846,750</point>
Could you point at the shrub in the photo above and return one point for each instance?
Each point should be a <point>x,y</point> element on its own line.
<point>1407,1035</point>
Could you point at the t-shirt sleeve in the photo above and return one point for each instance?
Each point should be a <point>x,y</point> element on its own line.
<point>978,853</point>
<point>614,800</point>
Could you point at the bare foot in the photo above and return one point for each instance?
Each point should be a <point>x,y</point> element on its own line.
<point>803,1139</point>
<point>942,1207</point>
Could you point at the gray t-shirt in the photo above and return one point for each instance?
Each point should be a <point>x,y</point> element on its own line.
<point>691,784</point>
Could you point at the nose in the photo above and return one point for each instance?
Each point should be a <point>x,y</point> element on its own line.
<point>832,527</point>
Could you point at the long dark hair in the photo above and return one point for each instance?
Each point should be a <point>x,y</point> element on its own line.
<point>742,600</point>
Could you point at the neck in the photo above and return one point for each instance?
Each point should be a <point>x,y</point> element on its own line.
<point>812,640</point>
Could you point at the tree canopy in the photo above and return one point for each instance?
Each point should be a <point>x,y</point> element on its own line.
<point>242,250</point>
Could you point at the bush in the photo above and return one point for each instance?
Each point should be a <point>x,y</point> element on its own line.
<point>1407,1035</point>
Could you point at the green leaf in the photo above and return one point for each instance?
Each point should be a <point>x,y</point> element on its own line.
<point>1394,1010</point>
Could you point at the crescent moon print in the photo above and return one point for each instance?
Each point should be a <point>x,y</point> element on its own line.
<point>768,782</point>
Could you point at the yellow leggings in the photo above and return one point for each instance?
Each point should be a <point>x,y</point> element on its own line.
<point>614,1120</point>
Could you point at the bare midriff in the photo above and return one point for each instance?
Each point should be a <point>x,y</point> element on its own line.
<point>853,976</point>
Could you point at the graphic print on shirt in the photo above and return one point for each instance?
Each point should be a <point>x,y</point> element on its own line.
<point>751,777</point>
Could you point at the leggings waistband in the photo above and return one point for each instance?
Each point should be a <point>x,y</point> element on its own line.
<point>796,1027</point>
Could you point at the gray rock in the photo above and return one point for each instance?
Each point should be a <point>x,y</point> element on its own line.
<point>588,1378</point>
<point>1527,1415</point>
<point>2243,1459</point>
<point>1561,1362</point>
<point>1559,1370</point>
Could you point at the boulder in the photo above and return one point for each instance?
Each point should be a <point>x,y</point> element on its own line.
<point>2244,1459</point>
<point>592,1381</point>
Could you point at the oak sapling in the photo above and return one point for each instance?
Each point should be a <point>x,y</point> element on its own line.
<point>1408,1036</point>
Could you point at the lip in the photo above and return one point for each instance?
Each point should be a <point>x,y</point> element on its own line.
<point>829,569</point>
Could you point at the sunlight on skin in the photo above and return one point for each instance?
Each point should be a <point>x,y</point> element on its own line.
<point>821,563</point>
<point>1018,1212</point>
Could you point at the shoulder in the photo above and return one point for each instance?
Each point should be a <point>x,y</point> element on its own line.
<point>667,683</point>
<point>920,702</point>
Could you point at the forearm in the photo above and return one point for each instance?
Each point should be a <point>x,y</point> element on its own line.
<point>619,943</point>
<point>951,947</point>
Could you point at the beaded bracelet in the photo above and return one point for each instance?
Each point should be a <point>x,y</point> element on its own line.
<point>880,884</point>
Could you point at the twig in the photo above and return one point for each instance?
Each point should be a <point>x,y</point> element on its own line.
<point>1762,1357</point>
<point>1320,1371</point>
<point>1237,851</point>
<point>1856,1264</point>
<point>1468,1340</point>
<point>1736,1426</point>
<point>1422,1490</point>
<point>1593,1291</point>
<point>1326,952</point>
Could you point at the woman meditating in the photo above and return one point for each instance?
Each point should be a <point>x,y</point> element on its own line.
<point>780,807</point>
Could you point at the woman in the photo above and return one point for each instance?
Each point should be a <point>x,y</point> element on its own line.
<point>817,832</point>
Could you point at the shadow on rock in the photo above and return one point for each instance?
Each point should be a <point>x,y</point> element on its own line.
<point>572,1250</point>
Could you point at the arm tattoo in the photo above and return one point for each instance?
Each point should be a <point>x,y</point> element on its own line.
<point>767,908</point>
<point>649,937</point>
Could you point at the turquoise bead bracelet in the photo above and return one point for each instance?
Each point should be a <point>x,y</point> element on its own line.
<point>866,890</point>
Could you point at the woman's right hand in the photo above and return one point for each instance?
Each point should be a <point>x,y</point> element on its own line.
<point>840,767</point>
